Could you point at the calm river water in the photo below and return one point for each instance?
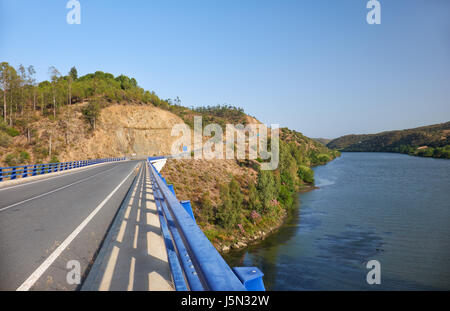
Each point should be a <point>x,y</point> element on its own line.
<point>392,208</point>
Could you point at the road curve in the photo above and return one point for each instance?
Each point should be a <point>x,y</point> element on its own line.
<point>46,224</point>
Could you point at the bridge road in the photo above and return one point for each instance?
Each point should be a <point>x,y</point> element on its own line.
<point>133,256</point>
<point>44,224</point>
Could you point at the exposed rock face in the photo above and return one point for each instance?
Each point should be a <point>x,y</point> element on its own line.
<point>126,130</point>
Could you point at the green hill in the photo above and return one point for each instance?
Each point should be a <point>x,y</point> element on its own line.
<point>427,141</point>
<point>323,141</point>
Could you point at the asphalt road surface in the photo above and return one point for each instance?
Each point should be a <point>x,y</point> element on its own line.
<point>48,226</point>
<point>133,256</point>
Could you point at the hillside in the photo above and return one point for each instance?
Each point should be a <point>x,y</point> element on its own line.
<point>99,115</point>
<point>428,141</point>
<point>121,130</point>
<point>323,141</point>
<point>263,198</point>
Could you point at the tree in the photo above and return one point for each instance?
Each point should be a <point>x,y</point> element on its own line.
<point>70,78</point>
<point>73,73</point>
<point>231,202</point>
<point>266,189</point>
<point>44,89</point>
<point>22,81</point>
<point>32,82</point>
<point>13,88</point>
<point>5,75</point>
<point>69,89</point>
<point>21,96</point>
<point>92,112</point>
<point>54,75</point>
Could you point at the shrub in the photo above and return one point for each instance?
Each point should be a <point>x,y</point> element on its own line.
<point>17,158</point>
<point>12,132</point>
<point>428,152</point>
<point>253,199</point>
<point>236,194</point>
<point>11,160</point>
<point>9,130</point>
<point>24,156</point>
<point>212,235</point>
<point>40,152</point>
<point>228,211</point>
<point>206,208</point>
<point>306,174</point>
<point>5,140</point>
<point>285,197</point>
<point>266,188</point>
<point>323,158</point>
<point>255,217</point>
<point>442,152</point>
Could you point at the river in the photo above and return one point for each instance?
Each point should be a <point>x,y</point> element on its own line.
<point>393,208</point>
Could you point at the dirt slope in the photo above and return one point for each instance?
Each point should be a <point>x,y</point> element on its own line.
<point>124,130</point>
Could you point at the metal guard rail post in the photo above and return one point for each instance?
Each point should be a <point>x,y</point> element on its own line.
<point>203,267</point>
<point>24,171</point>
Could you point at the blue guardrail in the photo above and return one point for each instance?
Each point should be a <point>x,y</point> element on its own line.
<point>194,262</point>
<point>15,172</point>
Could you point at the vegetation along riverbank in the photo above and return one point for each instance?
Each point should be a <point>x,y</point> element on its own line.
<point>234,202</point>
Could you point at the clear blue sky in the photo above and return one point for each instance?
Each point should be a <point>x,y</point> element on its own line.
<point>313,65</point>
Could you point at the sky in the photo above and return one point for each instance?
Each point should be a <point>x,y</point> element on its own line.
<point>315,66</point>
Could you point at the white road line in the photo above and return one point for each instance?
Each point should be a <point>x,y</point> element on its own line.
<point>53,191</point>
<point>49,261</point>
<point>68,173</point>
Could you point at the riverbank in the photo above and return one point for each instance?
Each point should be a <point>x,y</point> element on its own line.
<point>244,241</point>
<point>235,202</point>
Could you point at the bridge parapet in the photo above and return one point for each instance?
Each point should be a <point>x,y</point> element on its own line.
<point>195,263</point>
<point>23,171</point>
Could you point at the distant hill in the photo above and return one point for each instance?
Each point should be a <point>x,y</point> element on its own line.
<point>323,141</point>
<point>428,141</point>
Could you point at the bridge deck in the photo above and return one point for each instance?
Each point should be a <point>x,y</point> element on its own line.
<point>47,224</point>
<point>133,256</point>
